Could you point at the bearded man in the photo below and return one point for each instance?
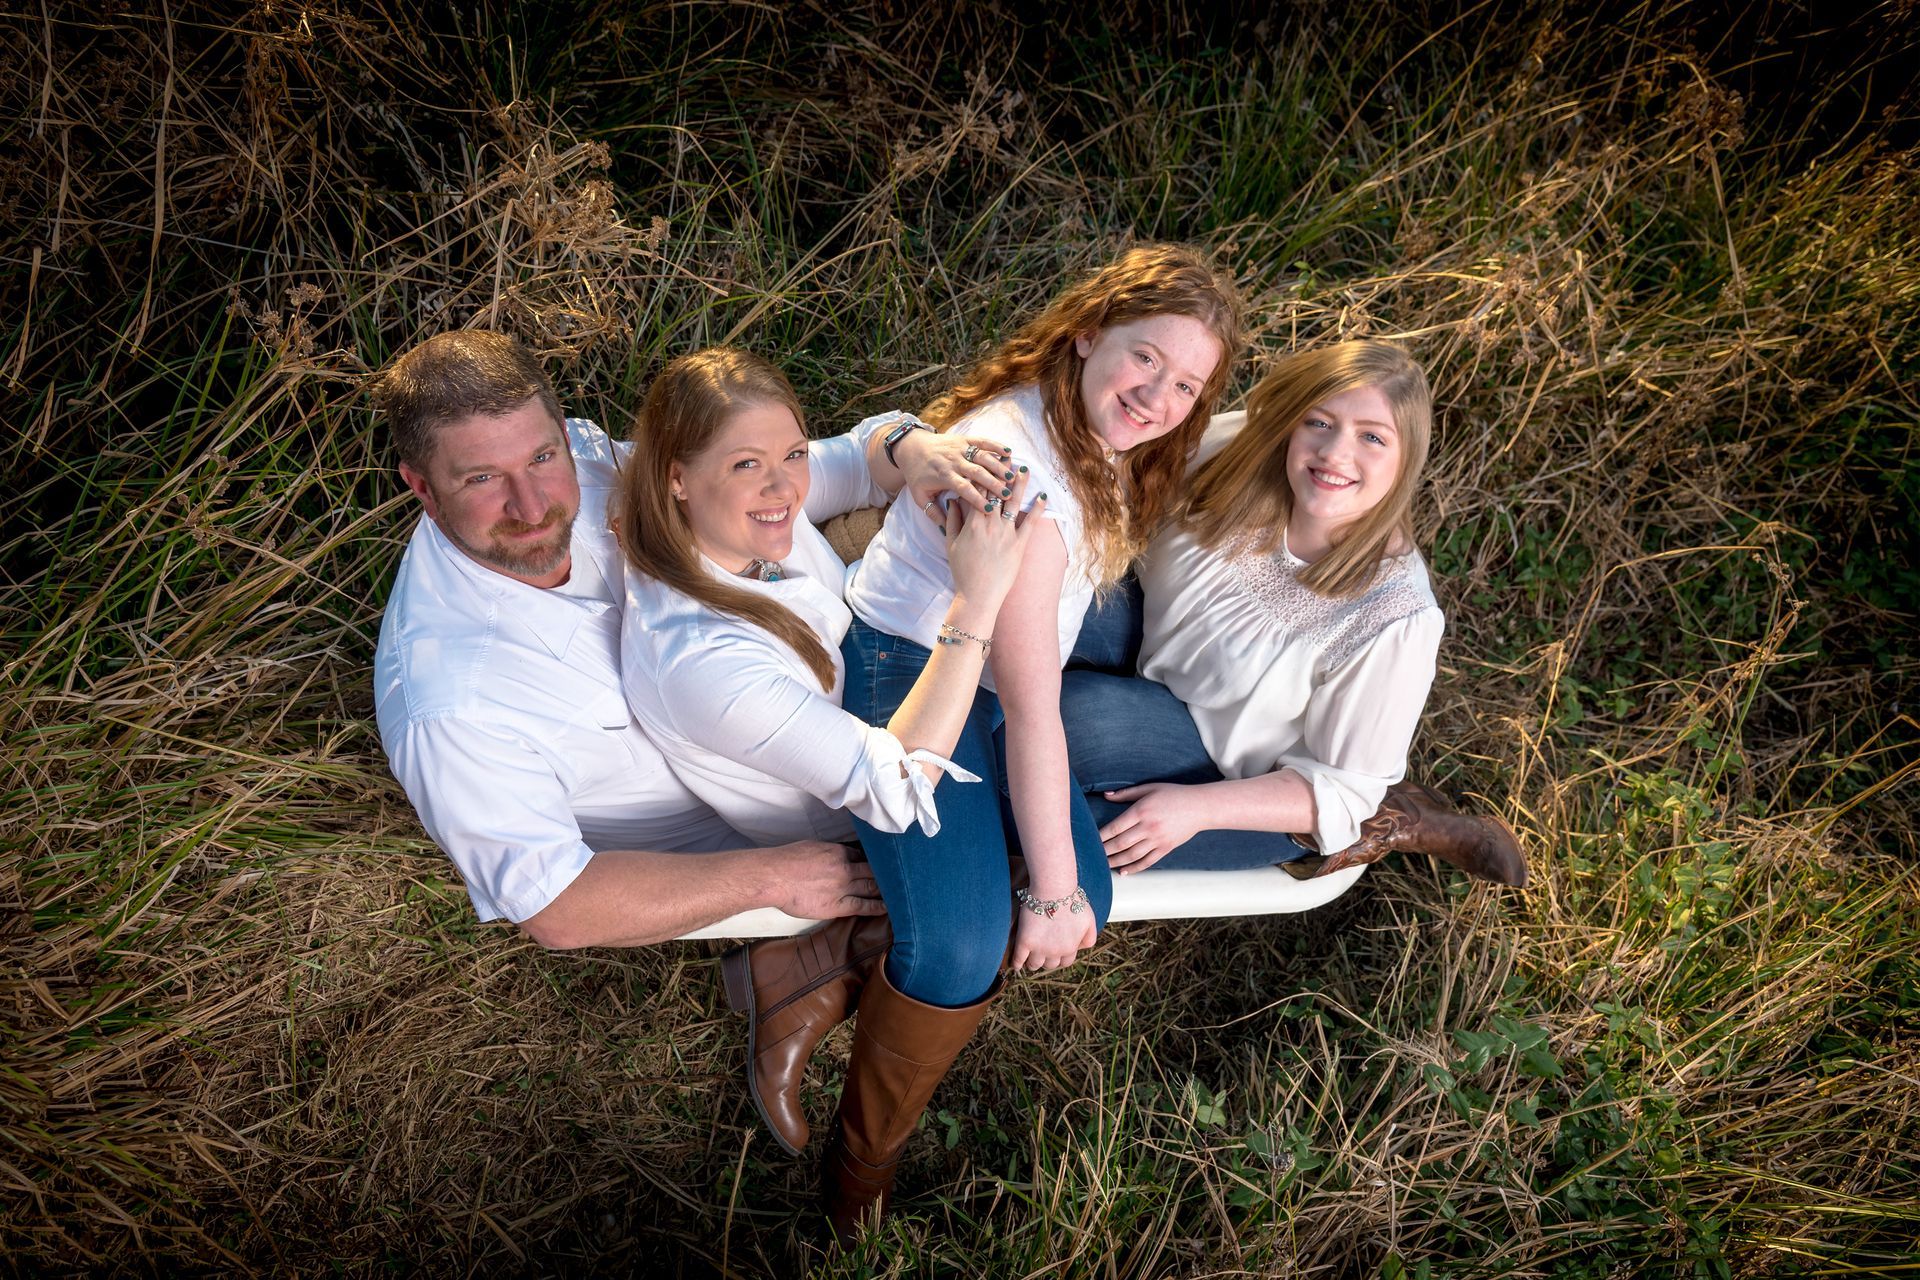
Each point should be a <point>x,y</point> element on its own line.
<point>496,680</point>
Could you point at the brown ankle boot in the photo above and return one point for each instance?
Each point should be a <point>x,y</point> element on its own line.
<point>1414,819</point>
<point>901,1051</point>
<point>794,991</point>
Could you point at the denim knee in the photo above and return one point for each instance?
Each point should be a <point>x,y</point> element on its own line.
<point>1110,633</point>
<point>1123,730</point>
<point>1090,859</point>
<point>950,969</point>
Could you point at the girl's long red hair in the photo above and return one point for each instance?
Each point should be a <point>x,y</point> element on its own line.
<point>1123,504</point>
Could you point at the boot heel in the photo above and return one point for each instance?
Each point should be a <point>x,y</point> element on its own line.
<point>1305,868</point>
<point>738,977</point>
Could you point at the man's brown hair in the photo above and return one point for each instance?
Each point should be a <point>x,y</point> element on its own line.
<point>452,376</point>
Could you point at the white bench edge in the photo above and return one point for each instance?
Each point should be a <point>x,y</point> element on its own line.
<point>1152,895</point>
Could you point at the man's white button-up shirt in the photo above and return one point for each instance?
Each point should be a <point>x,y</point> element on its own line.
<point>501,710</point>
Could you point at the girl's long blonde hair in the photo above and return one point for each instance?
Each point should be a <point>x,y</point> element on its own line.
<point>1243,491</point>
<point>686,407</point>
<point>1123,508</point>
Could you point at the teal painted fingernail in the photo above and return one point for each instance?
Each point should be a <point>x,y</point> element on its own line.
<point>1023,469</point>
<point>1009,475</point>
<point>1006,493</point>
<point>1041,498</point>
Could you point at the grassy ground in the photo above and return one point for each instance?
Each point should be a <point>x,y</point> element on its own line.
<point>1662,264</point>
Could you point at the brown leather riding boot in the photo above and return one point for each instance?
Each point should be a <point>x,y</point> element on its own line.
<point>1414,819</point>
<point>794,991</point>
<point>901,1051</point>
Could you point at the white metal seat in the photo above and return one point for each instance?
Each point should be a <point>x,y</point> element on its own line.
<point>1151,895</point>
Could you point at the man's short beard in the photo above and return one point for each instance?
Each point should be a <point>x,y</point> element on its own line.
<point>532,561</point>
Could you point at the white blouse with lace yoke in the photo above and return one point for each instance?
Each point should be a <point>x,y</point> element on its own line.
<point>744,723</point>
<point>1278,677</point>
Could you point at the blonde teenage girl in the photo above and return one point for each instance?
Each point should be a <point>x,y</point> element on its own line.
<point>1290,610</point>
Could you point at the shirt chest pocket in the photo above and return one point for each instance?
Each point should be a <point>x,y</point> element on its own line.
<point>608,711</point>
<point>597,743</point>
<point>594,658</point>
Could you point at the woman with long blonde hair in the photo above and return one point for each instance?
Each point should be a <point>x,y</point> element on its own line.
<point>1289,609</point>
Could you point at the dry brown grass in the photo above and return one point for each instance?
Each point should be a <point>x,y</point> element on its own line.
<point>1669,300</point>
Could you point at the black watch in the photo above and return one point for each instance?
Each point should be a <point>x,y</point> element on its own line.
<point>898,434</point>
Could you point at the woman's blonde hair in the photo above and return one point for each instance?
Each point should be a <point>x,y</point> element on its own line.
<point>686,407</point>
<point>1243,491</point>
<point>1121,509</point>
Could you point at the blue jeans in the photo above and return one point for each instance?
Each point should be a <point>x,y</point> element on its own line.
<point>950,896</point>
<point>1124,729</point>
<point>1109,638</point>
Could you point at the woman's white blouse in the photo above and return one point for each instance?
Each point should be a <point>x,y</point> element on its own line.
<point>1277,677</point>
<point>904,585</point>
<point>744,723</point>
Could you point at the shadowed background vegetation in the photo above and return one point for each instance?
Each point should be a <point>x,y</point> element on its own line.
<point>1661,262</point>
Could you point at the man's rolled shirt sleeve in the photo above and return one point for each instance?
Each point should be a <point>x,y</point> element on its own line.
<point>496,803</point>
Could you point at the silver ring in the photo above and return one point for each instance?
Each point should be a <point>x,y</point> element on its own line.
<point>969,451</point>
<point>1007,512</point>
<point>928,504</point>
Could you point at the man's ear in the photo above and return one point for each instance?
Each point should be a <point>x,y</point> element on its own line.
<point>416,480</point>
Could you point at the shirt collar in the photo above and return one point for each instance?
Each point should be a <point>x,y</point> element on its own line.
<point>550,615</point>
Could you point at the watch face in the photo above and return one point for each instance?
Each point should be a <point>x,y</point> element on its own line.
<point>899,433</point>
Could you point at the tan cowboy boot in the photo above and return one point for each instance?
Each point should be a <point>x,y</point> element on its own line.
<point>1414,819</point>
<point>901,1051</point>
<point>794,991</point>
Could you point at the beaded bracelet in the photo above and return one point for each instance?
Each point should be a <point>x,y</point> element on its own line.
<point>1075,902</point>
<point>950,634</point>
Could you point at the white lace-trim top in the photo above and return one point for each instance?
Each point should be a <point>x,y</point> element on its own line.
<point>1278,677</point>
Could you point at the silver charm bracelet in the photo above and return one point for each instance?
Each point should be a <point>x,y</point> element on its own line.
<point>1075,902</point>
<point>950,634</point>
